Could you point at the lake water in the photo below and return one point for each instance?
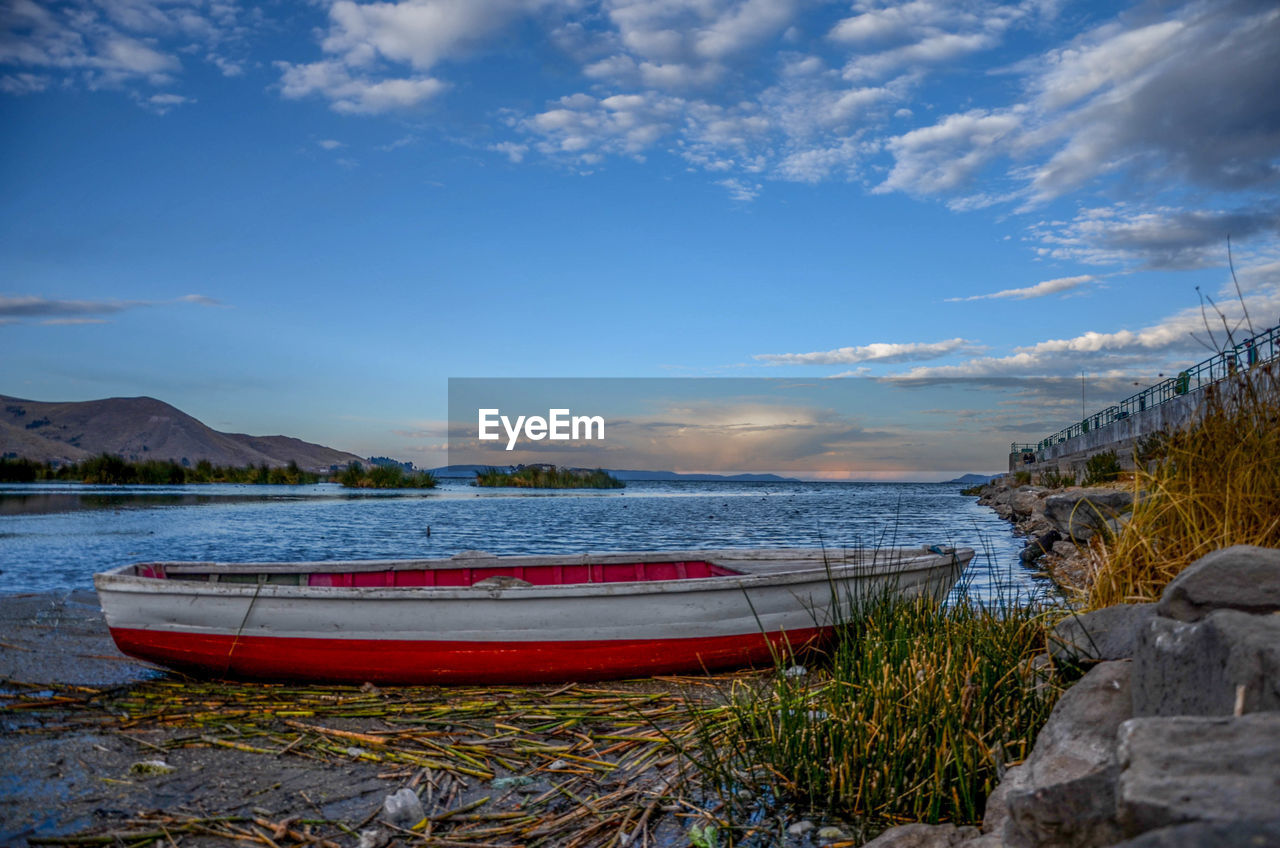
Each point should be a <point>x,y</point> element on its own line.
<point>53,537</point>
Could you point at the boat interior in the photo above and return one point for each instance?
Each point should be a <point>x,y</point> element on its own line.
<point>448,576</point>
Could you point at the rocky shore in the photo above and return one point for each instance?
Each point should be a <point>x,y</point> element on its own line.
<point>1171,738</point>
<point>1059,524</point>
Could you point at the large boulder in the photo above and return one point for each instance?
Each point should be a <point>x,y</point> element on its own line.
<point>1063,796</point>
<point>1245,834</point>
<point>1198,668</point>
<point>1082,514</point>
<point>923,836</point>
<point>1243,577</point>
<point>1184,768</point>
<point>1026,500</point>
<point>1110,633</point>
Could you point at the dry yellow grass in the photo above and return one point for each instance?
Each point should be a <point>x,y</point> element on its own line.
<point>1214,484</point>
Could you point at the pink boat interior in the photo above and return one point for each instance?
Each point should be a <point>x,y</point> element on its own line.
<point>455,576</point>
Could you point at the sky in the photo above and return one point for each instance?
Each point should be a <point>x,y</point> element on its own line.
<point>304,218</point>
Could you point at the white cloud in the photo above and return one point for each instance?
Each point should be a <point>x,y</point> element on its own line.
<point>947,155</point>
<point>162,103</point>
<point>109,45</point>
<point>514,152</point>
<point>1184,337</point>
<point>1048,287</point>
<point>1161,237</point>
<point>56,311</point>
<point>1145,95</point>
<point>355,94</point>
<point>740,191</point>
<point>875,352</point>
<point>329,144</point>
<point>370,46</point>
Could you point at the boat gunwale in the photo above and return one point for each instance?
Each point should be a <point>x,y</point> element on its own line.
<point>904,561</point>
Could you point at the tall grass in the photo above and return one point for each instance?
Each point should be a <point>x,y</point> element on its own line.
<point>549,477</point>
<point>911,715</point>
<point>1210,485</point>
<point>108,469</point>
<point>356,476</point>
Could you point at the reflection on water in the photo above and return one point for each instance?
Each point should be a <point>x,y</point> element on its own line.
<point>55,536</point>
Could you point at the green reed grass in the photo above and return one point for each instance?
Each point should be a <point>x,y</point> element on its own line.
<point>549,477</point>
<point>356,476</point>
<point>911,715</point>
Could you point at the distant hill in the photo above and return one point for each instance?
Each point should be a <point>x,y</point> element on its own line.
<point>143,428</point>
<point>469,471</point>
<point>973,479</point>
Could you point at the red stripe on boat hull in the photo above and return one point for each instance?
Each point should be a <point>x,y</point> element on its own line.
<point>423,662</point>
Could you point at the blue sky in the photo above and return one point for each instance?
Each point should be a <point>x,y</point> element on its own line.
<point>303,218</point>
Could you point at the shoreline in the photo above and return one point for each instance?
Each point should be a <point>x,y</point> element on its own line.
<point>82,723</point>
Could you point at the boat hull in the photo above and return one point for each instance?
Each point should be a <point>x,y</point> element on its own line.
<point>772,601</point>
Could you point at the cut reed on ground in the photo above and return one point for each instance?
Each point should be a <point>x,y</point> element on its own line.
<point>911,715</point>
<point>1211,485</point>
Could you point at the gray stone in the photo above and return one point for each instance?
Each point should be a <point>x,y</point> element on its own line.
<point>1081,514</point>
<point>1243,577</point>
<point>1026,500</point>
<point>1245,834</point>
<point>1178,769</point>
<point>1065,549</point>
<point>1182,668</point>
<point>1064,794</point>
<point>1003,510</point>
<point>923,836</point>
<point>800,828</point>
<point>1039,546</point>
<point>1110,633</point>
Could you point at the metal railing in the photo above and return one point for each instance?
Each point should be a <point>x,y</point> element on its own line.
<point>1249,353</point>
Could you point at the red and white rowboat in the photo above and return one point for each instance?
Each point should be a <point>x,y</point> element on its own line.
<point>478,618</point>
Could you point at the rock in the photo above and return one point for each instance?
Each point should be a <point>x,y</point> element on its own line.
<point>1065,549</point>
<point>922,836</point>
<point>1039,546</point>
<point>830,833</point>
<point>1182,668</point>
<point>1064,794</point>
<point>1246,834</point>
<point>1243,577</point>
<point>1003,510</point>
<point>1026,500</point>
<point>374,837</point>
<point>403,808</point>
<point>1178,769</point>
<point>1110,633</point>
<point>800,828</point>
<point>1081,514</point>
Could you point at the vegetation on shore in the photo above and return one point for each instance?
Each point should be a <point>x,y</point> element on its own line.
<point>108,469</point>
<point>1205,487</point>
<point>356,476</point>
<point>912,715</point>
<point>549,477</point>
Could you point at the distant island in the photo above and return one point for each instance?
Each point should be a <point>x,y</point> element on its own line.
<point>548,477</point>
<point>972,479</point>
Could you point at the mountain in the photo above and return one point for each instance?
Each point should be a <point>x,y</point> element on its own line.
<point>973,479</point>
<point>143,428</point>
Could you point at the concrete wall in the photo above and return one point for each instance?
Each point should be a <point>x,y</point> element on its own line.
<point>1069,457</point>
